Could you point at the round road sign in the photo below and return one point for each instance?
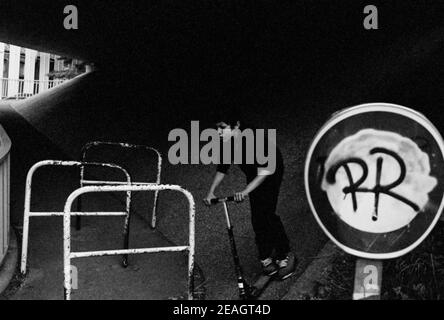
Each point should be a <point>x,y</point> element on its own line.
<point>374,179</point>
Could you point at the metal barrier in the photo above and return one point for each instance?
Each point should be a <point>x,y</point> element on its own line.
<point>68,255</point>
<point>92,144</point>
<point>28,213</point>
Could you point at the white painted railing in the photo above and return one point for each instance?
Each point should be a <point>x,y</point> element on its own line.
<point>121,145</point>
<point>68,254</point>
<point>20,89</point>
<point>5,147</point>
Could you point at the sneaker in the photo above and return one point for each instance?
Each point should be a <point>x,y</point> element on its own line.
<point>269,268</point>
<point>286,266</point>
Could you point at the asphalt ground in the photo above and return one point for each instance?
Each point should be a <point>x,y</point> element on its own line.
<point>56,111</point>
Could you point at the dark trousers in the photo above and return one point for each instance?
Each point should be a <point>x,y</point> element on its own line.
<point>270,233</point>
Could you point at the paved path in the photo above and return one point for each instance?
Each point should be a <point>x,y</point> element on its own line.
<point>69,125</point>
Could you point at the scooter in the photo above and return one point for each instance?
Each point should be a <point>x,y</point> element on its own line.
<point>246,292</point>
<point>244,288</point>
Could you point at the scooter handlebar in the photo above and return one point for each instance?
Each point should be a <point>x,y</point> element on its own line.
<point>219,200</point>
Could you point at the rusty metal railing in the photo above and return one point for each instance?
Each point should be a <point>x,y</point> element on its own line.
<point>69,255</point>
<point>92,144</point>
<point>28,213</point>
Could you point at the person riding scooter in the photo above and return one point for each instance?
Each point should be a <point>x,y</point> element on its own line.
<point>262,189</point>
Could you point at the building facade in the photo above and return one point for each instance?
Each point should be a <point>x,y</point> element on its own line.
<point>25,72</point>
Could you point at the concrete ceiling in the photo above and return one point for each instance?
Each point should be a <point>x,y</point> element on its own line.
<point>112,29</point>
<point>216,47</point>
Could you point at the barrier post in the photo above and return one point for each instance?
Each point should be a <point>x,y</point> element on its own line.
<point>68,255</point>
<point>27,206</point>
<point>92,144</point>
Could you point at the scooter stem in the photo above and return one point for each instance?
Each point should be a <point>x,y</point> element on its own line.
<point>227,215</point>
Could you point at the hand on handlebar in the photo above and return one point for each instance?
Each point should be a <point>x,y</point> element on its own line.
<point>208,199</point>
<point>240,196</point>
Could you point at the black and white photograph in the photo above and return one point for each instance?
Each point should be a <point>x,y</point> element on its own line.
<point>244,154</point>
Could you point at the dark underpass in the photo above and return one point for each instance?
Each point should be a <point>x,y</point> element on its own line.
<point>286,65</point>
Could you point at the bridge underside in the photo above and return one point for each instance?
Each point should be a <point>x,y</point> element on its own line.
<point>216,51</point>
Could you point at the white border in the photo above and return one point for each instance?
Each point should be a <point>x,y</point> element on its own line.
<point>362,108</point>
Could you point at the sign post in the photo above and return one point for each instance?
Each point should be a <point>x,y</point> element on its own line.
<point>374,181</point>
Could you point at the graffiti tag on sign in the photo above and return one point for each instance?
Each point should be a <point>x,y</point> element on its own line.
<point>377,181</point>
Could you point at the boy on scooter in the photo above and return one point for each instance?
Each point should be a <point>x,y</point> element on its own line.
<point>262,189</point>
